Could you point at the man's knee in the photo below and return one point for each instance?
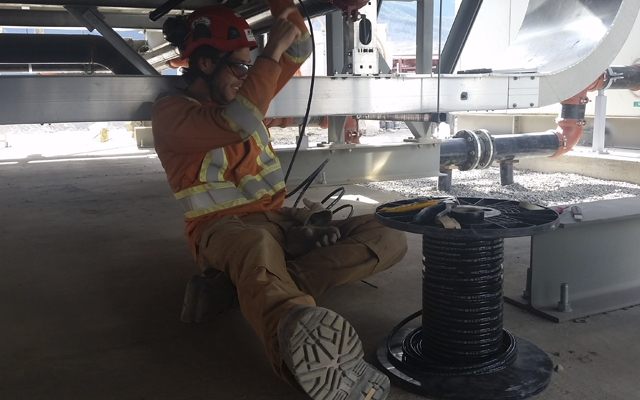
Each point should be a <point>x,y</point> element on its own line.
<point>390,246</point>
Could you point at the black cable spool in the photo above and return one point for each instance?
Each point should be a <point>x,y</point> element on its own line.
<point>467,215</point>
<point>461,350</point>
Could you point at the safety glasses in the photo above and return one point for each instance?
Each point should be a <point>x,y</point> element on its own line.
<point>240,70</point>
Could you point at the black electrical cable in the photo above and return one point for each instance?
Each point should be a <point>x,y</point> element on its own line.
<point>306,183</point>
<point>342,207</point>
<point>342,190</point>
<point>309,180</point>
<point>313,80</point>
<point>439,65</point>
<point>461,331</point>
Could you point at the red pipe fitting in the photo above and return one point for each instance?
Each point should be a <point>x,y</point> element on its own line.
<point>568,132</point>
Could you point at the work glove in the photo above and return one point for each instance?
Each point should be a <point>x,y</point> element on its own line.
<point>313,214</point>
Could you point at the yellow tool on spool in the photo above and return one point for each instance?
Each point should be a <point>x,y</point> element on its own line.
<point>410,207</point>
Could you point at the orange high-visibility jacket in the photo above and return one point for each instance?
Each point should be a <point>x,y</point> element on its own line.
<point>218,159</point>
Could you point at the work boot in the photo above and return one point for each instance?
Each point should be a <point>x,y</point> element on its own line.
<point>208,296</point>
<point>324,354</point>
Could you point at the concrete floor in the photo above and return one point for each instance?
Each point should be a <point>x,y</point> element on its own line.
<point>93,269</point>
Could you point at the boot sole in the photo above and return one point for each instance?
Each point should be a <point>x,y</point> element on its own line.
<point>325,356</point>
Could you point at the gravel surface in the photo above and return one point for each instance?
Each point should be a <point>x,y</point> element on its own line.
<point>534,187</point>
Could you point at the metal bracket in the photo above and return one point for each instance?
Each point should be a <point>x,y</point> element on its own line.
<point>523,92</point>
<point>93,19</point>
<point>603,274</point>
<point>419,130</point>
<point>336,128</point>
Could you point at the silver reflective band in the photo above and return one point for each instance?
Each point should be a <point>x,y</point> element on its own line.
<point>243,119</point>
<point>216,166</point>
<point>208,199</point>
<point>300,50</point>
<point>216,192</point>
<point>217,199</point>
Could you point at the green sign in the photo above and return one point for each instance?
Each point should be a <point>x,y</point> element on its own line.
<point>636,103</point>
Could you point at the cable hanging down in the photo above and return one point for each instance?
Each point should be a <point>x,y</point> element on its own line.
<point>313,79</point>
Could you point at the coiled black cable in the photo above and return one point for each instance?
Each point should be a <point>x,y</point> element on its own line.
<point>461,331</point>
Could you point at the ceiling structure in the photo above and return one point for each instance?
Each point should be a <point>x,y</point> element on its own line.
<point>130,14</point>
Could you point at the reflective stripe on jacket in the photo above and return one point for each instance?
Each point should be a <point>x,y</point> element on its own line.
<point>218,193</point>
<point>300,49</point>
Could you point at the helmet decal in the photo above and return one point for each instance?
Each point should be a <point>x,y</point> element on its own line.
<point>202,20</point>
<point>233,33</point>
<point>249,35</point>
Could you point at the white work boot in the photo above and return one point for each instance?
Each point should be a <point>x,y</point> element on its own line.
<point>324,354</point>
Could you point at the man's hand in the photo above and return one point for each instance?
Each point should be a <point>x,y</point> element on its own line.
<point>314,214</point>
<point>303,239</point>
<point>282,35</point>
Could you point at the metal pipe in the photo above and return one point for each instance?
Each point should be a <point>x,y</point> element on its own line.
<point>458,35</point>
<point>398,117</point>
<point>261,22</point>
<point>53,19</point>
<point>162,54</point>
<point>524,145</point>
<point>599,121</point>
<point>458,151</point>
<point>164,9</point>
<point>63,49</point>
<point>53,68</point>
<point>627,77</point>
<point>571,120</point>
<point>454,152</point>
<point>506,173</point>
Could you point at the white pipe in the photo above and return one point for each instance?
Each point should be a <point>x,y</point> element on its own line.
<point>599,122</point>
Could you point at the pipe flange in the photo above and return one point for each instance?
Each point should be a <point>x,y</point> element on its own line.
<point>475,150</point>
<point>488,154</point>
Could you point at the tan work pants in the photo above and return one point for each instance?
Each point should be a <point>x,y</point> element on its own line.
<point>249,249</point>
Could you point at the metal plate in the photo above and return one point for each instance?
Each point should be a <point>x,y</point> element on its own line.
<point>597,257</point>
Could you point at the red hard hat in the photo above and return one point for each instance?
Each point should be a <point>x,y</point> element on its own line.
<point>219,27</point>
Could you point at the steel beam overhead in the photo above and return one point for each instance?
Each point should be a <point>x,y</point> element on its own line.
<point>335,43</point>
<point>51,99</point>
<point>43,99</point>
<point>351,95</point>
<point>549,62</point>
<point>424,37</point>
<point>149,4</point>
<point>93,19</point>
<point>458,35</point>
<point>63,49</point>
<point>62,19</point>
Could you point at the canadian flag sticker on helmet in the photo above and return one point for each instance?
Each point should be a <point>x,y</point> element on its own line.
<point>249,35</point>
<point>202,20</point>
